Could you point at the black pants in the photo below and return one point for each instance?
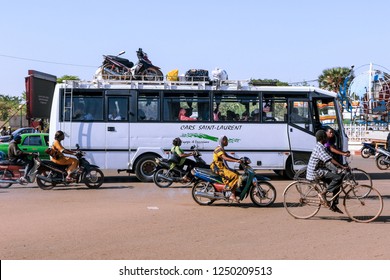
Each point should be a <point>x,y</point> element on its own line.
<point>333,181</point>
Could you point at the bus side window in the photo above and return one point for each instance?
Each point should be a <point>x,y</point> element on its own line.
<point>148,107</point>
<point>274,109</point>
<point>117,109</point>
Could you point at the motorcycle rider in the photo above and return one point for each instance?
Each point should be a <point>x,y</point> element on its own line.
<point>18,157</point>
<point>219,166</point>
<point>184,160</point>
<point>72,163</point>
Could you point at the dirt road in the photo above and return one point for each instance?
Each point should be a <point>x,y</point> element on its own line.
<point>126,219</point>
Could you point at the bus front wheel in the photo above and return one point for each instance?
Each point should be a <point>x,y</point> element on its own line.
<point>145,168</point>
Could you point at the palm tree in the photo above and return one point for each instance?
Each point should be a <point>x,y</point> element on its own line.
<point>331,79</point>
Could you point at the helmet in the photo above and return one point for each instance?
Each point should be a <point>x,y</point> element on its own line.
<point>176,141</point>
<point>246,160</point>
<point>18,138</point>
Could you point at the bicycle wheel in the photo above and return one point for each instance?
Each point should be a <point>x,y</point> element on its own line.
<point>301,200</point>
<point>361,207</point>
<point>359,177</point>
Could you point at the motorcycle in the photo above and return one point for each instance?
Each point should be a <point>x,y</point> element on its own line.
<point>116,67</point>
<point>367,150</point>
<point>209,187</point>
<point>382,159</point>
<point>164,176</point>
<point>11,173</point>
<point>51,174</point>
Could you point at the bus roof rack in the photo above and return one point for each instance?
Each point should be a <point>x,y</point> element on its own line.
<point>165,84</point>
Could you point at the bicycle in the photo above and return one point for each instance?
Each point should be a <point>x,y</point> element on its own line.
<point>362,203</point>
<point>358,176</point>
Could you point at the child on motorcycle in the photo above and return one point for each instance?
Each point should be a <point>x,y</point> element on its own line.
<point>229,177</point>
<point>184,160</point>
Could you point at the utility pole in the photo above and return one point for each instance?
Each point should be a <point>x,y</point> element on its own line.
<point>21,114</point>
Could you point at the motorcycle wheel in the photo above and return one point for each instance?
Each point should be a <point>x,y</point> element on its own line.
<point>264,194</point>
<point>94,178</point>
<point>43,184</point>
<point>380,162</point>
<point>365,153</point>
<point>152,74</point>
<point>205,188</point>
<point>161,182</point>
<point>5,175</point>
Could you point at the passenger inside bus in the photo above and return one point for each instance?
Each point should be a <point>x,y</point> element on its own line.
<point>141,115</point>
<point>244,116</point>
<point>216,113</point>
<point>296,118</point>
<point>255,115</point>
<point>114,116</point>
<point>184,116</point>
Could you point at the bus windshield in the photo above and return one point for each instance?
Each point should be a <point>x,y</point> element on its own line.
<point>327,113</point>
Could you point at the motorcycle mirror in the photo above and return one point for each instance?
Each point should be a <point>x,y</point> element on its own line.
<point>122,52</point>
<point>77,146</point>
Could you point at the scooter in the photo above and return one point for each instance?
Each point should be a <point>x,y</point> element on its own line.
<point>51,174</point>
<point>382,159</point>
<point>11,173</point>
<point>367,150</point>
<point>209,187</point>
<point>164,176</point>
<point>115,67</point>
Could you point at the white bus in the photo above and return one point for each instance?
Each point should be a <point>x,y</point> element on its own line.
<point>127,124</point>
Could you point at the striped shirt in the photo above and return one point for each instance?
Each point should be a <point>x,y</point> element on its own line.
<point>316,167</point>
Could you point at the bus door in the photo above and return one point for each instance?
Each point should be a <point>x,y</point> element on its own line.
<point>117,130</point>
<point>300,132</point>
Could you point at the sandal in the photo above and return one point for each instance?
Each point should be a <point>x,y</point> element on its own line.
<point>233,198</point>
<point>69,179</point>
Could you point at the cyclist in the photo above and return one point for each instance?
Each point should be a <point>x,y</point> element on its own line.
<point>320,165</point>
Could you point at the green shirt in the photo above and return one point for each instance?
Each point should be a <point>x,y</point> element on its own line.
<point>179,151</point>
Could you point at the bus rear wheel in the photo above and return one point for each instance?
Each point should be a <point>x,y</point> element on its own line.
<point>145,167</point>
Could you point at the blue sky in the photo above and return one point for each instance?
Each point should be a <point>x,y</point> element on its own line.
<point>287,40</point>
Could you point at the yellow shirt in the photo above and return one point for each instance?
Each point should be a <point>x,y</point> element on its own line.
<point>217,159</point>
